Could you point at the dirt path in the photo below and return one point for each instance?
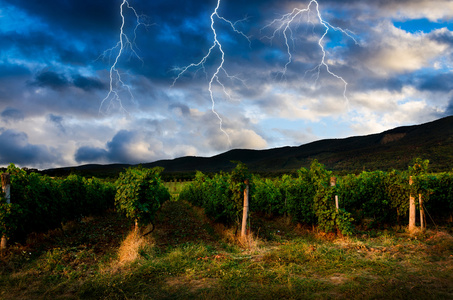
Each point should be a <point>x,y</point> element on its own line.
<point>178,223</point>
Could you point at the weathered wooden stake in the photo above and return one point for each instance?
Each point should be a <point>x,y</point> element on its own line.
<point>245,211</point>
<point>422,212</point>
<point>333,182</point>
<point>6,189</point>
<point>412,215</point>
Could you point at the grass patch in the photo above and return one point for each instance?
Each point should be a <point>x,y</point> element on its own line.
<point>175,187</point>
<point>187,256</point>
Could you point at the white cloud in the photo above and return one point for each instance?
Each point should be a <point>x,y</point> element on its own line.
<point>368,121</point>
<point>393,50</point>
<point>382,100</point>
<point>294,105</point>
<point>247,138</point>
<point>183,150</point>
<point>379,110</point>
<point>416,9</point>
<point>297,136</point>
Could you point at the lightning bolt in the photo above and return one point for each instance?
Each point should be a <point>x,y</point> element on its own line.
<point>284,24</point>
<point>125,44</point>
<point>220,68</point>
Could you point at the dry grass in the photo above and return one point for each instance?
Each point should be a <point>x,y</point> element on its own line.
<point>230,234</point>
<point>189,257</point>
<point>129,250</point>
<point>251,242</point>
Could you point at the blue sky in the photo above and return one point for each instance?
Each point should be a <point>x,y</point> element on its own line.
<point>386,64</point>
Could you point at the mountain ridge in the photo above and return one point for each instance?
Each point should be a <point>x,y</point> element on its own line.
<point>391,149</point>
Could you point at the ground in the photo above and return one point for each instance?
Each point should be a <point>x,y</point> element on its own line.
<point>188,256</point>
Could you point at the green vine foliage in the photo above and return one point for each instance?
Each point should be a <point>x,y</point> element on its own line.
<point>140,193</point>
<point>299,195</point>
<point>74,195</point>
<point>221,195</point>
<point>397,191</point>
<point>9,216</point>
<point>366,196</point>
<point>100,194</point>
<point>212,194</point>
<point>238,180</point>
<point>328,217</point>
<point>39,203</point>
<point>441,196</point>
<point>219,201</point>
<point>422,182</point>
<point>267,197</point>
<point>379,197</point>
<point>194,191</point>
<point>436,190</point>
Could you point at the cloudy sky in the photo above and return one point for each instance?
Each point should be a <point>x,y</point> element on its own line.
<point>71,95</point>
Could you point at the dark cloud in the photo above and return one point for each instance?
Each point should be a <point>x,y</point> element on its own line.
<point>59,81</point>
<point>184,109</point>
<point>60,48</point>
<point>118,147</point>
<point>71,15</point>
<point>364,83</point>
<point>12,114</point>
<point>51,79</point>
<point>449,110</point>
<point>437,83</point>
<point>39,46</point>
<point>87,154</point>
<point>117,150</point>
<point>81,30</point>
<point>50,47</point>
<point>162,47</point>
<point>57,121</point>
<point>87,83</point>
<point>16,149</point>
<point>445,37</point>
<point>11,70</point>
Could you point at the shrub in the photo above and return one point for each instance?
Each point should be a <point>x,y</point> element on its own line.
<point>140,193</point>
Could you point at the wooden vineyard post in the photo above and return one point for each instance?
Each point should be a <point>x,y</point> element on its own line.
<point>333,182</point>
<point>422,212</point>
<point>411,210</point>
<point>6,189</point>
<point>245,211</point>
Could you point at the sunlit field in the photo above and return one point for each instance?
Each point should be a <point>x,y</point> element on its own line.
<point>175,187</point>
<point>187,256</point>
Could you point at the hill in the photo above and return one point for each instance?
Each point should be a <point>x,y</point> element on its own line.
<point>391,149</point>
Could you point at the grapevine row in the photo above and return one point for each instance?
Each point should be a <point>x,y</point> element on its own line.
<point>40,203</point>
<point>379,198</point>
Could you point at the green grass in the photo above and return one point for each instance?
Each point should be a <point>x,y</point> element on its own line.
<point>175,187</point>
<point>188,257</point>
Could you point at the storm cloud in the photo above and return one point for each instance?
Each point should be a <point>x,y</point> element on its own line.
<point>391,66</point>
<point>16,148</point>
<point>11,114</point>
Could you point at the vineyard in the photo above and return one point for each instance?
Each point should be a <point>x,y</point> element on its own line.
<point>195,230</point>
<point>41,203</point>
<point>369,200</point>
